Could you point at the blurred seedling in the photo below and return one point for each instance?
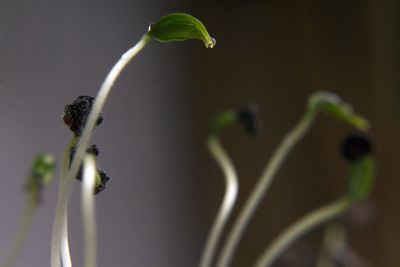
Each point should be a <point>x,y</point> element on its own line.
<point>39,177</point>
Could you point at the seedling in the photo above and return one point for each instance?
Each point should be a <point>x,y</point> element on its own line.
<point>39,177</point>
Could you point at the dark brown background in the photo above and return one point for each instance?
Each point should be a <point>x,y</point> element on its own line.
<point>166,188</point>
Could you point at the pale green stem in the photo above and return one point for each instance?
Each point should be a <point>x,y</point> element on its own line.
<point>300,228</point>
<point>228,202</point>
<point>22,233</point>
<point>83,144</point>
<point>262,186</point>
<point>64,245</point>
<point>88,211</point>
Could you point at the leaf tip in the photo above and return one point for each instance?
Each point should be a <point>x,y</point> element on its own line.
<point>211,43</point>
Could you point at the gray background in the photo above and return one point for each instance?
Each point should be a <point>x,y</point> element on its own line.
<point>54,51</point>
<point>166,188</point>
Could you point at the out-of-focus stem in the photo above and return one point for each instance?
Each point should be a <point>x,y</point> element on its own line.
<point>300,228</point>
<point>259,190</point>
<point>22,232</point>
<point>228,202</point>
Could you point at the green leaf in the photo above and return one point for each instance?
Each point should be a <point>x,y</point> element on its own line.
<point>41,174</point>
<point>331,104</point>
<point>179,27</point>
<point>222,121</point>
<point>361,177</point>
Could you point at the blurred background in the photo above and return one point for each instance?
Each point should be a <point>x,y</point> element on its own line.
<point>165,188</point>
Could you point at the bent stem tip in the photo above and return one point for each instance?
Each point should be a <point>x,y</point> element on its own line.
<point>67,183</point>
<point>231,191</point>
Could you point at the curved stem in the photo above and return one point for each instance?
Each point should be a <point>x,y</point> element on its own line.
<point>300,228</point>
<point>228,202</point>
<point>22,233</point>
<point>64,245</point>
<point>84,142</point>
<point>88,211</point>
<point>262,186</point>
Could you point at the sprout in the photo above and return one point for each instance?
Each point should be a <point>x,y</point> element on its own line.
<point>246,116</point>
<point>173,27</point>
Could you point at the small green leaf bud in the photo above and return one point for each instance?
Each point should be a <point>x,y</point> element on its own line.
<point>246,116</point>
<point>223,120</point>
<point>41,174</point>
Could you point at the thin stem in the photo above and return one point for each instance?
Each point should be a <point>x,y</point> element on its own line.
<point>300,228</point>
<point>22,233</point>
<point>64,245</point>
<point>88,211</point>
<point>262,186</point>
<point>228,202</point>
<point>84,142</point>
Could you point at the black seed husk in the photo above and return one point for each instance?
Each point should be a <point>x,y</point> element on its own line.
<point>76,114</point>
<point>355,146</point>
<point>248,117</point>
